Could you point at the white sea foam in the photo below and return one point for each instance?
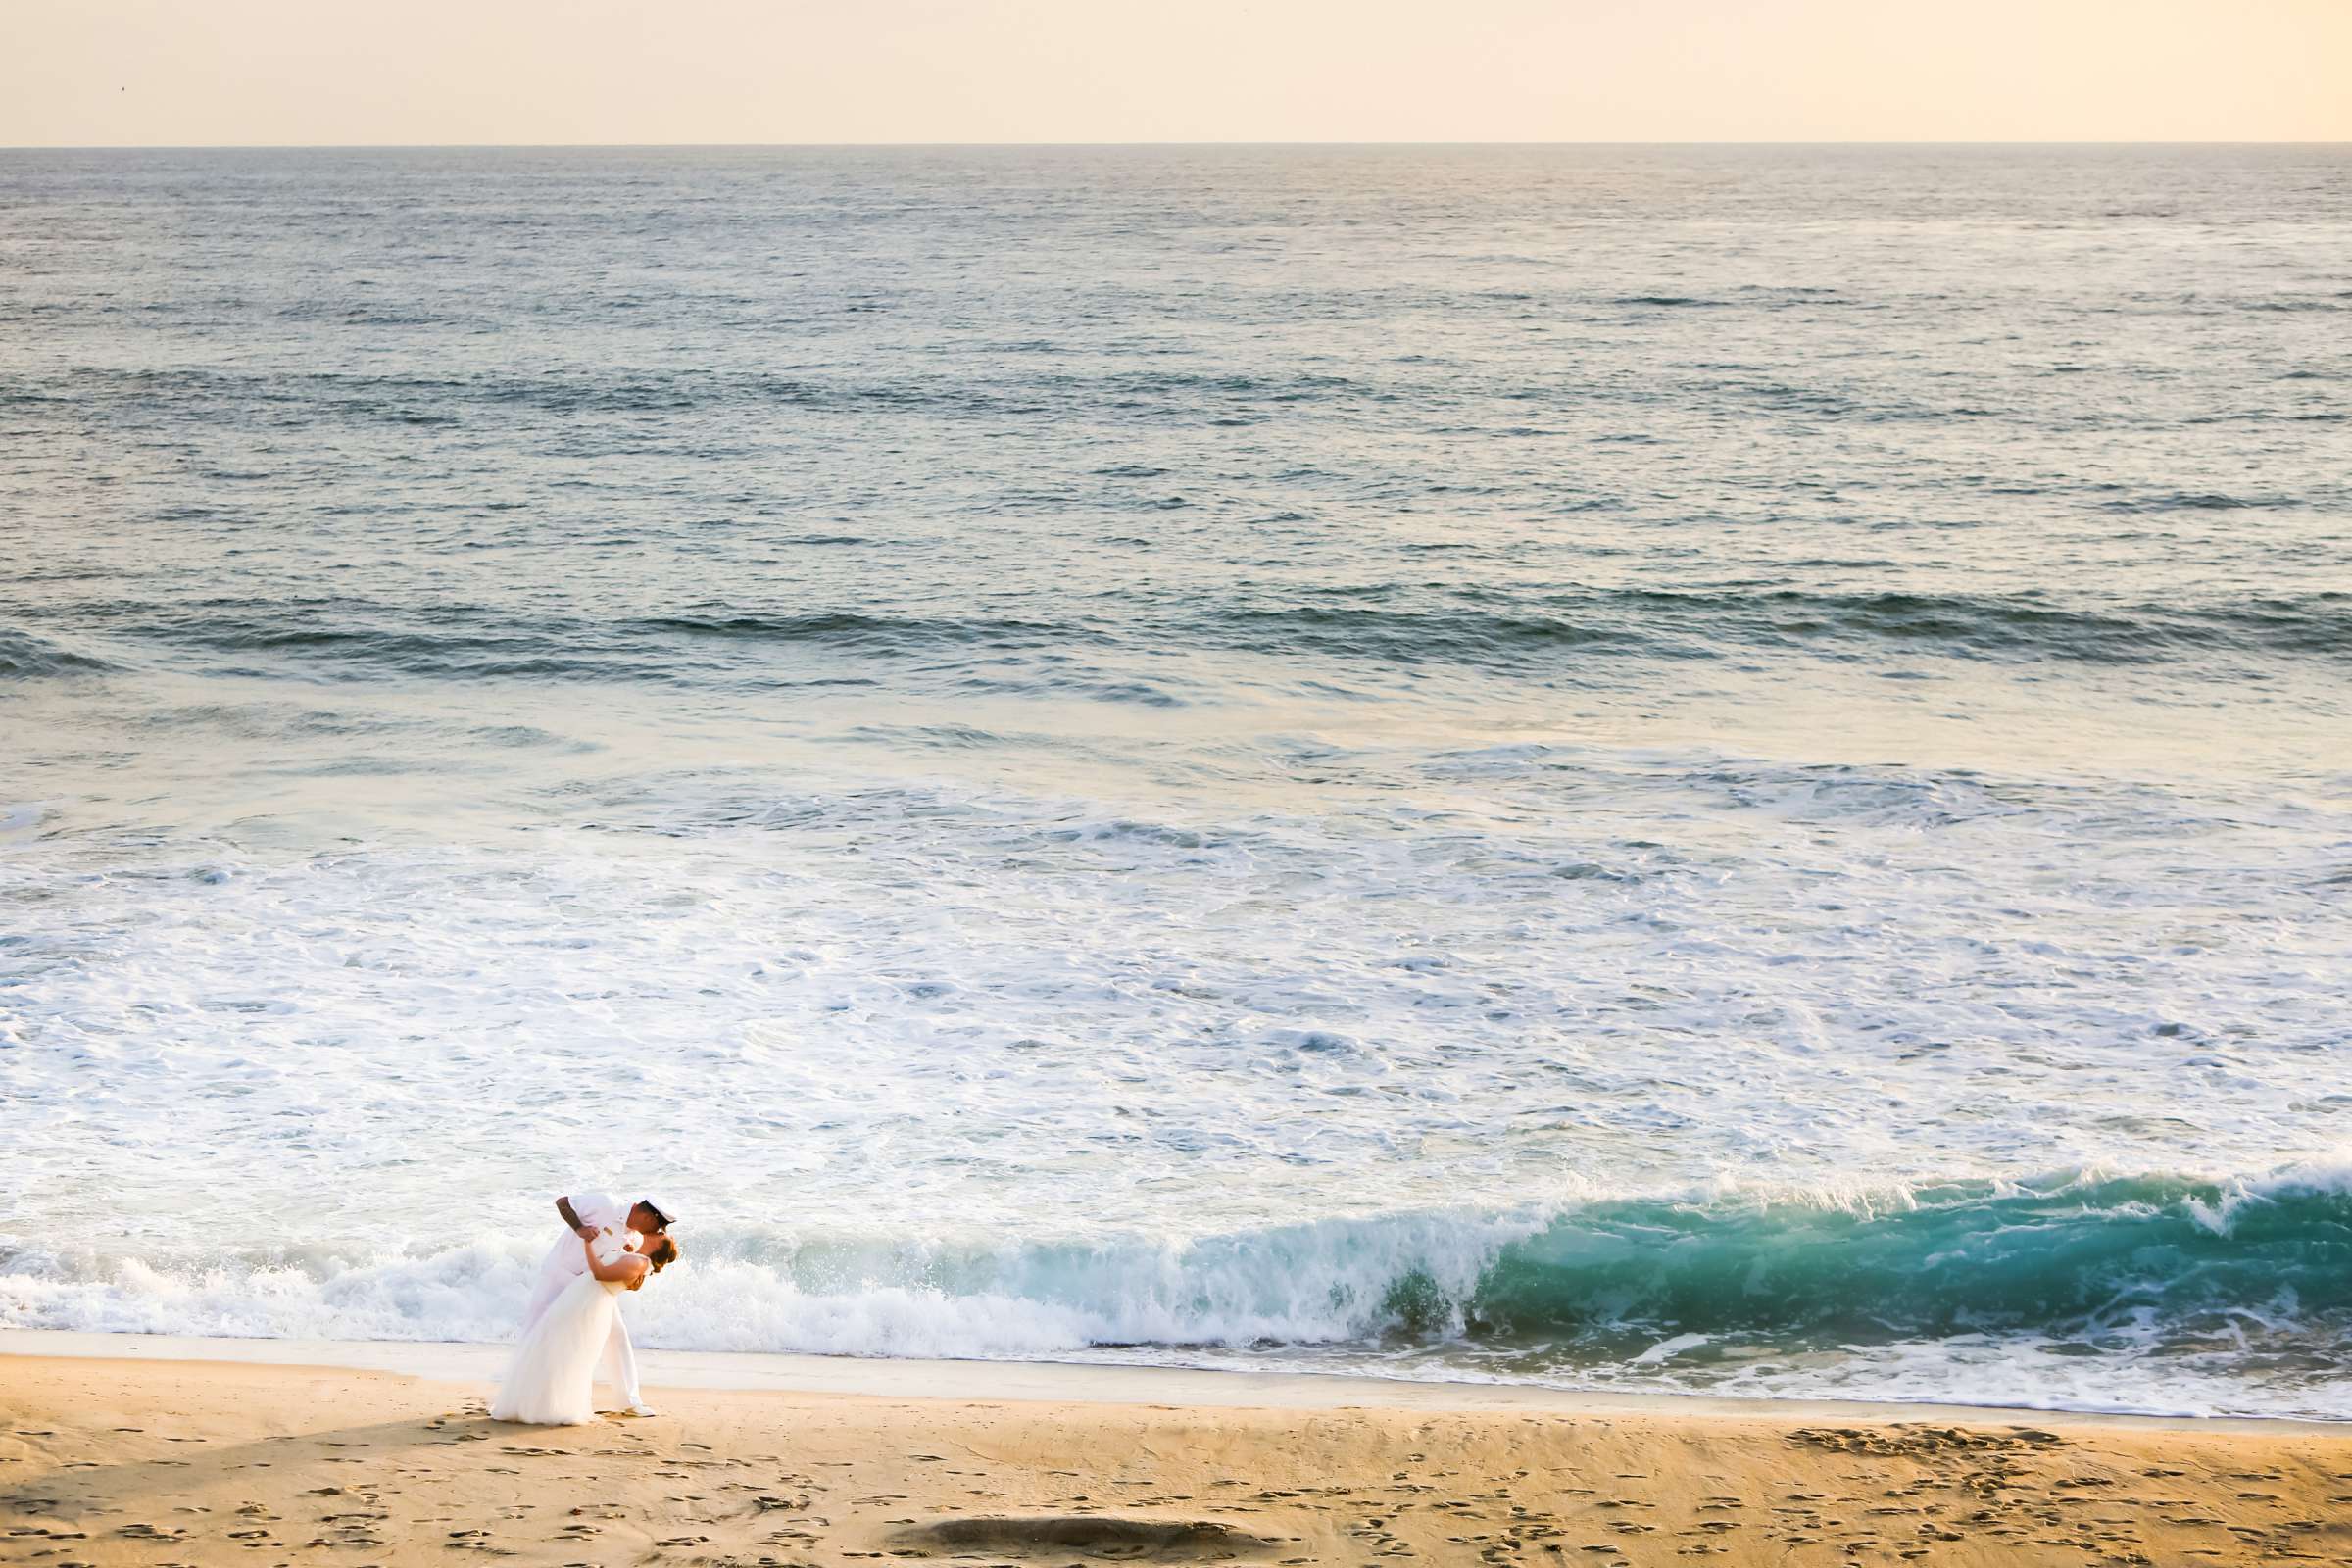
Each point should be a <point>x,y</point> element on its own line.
<point>994,1073</point>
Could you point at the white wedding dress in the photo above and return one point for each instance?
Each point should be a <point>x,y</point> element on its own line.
<point>552,1380</point>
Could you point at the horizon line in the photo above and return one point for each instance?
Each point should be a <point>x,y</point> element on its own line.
<point>795,146</point>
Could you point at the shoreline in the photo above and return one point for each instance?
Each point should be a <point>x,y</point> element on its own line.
<point>1090,1383</point>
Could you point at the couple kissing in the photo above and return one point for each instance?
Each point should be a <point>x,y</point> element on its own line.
<point>572,1324</point>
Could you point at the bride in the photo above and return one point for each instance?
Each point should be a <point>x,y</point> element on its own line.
<point>552,1380</point>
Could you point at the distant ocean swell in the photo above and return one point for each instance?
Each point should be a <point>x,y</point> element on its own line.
<point>27,658</point>
<point>1392,624</point>
<point>2125,1276</point>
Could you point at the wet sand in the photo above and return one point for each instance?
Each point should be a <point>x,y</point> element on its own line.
<point>128,1460</point>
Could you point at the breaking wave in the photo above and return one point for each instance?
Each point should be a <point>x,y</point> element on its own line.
<point>2129,1276</point>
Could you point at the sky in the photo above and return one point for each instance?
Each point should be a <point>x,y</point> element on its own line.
<point>100,73</point>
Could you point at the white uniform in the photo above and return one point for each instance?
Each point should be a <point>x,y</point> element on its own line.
<point>566,1262</point>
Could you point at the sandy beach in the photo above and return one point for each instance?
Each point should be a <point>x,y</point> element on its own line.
<point>139,1460</point>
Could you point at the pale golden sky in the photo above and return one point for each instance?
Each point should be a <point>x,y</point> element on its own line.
<point>338,72</point>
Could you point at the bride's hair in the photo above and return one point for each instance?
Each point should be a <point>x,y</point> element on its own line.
<point>662,1251</point>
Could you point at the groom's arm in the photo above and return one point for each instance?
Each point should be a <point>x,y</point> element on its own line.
<point>586,1233</point>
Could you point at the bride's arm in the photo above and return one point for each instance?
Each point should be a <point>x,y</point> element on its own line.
<point>626,1267</point>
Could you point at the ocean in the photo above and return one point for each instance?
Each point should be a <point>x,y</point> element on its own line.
<point>1701,768</point>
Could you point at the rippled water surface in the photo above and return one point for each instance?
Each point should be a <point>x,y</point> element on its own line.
<point>1661,768</point>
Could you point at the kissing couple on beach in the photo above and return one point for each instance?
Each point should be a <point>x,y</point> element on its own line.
<point>573,1323</point>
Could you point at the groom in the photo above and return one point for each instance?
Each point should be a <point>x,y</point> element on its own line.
<point>589,1215</point>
